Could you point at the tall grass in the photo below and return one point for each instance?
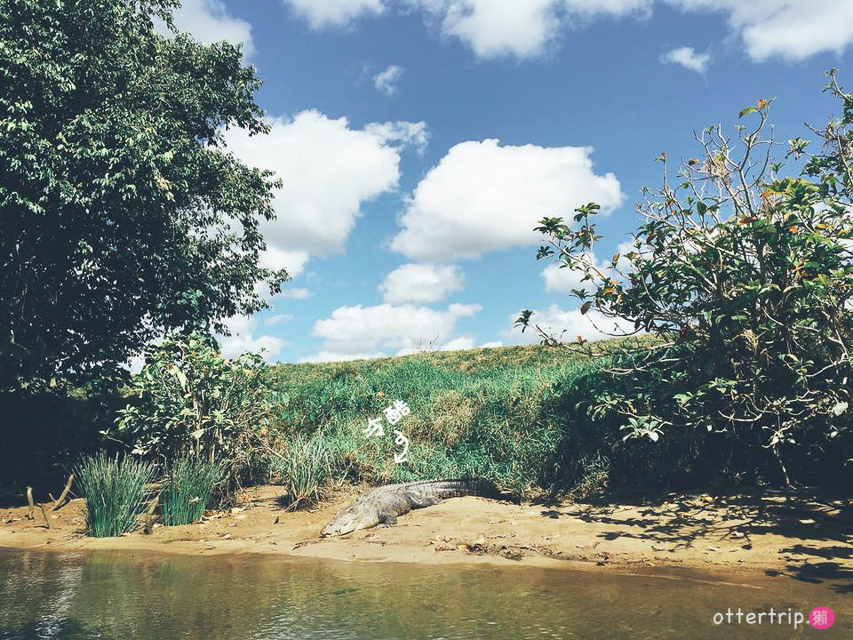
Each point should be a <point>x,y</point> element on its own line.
<point>506,414</point>
<point>303,469</point>
<point>188,490</point>
<point>114,489</point>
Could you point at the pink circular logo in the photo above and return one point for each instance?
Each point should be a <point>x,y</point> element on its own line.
<point>821,618</point>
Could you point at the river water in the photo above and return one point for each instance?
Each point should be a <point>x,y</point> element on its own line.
<point>118,596</point>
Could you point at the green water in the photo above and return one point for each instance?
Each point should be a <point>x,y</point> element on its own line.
<point>116,596</point>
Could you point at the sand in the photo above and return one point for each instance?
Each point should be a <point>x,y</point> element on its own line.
<point>792,533</point>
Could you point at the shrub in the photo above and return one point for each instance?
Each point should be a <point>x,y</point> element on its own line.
<point>191,402</point>
<point>746,278</point>
<point>303,469</point>
<point>188,490</point>
<point>114,489</point>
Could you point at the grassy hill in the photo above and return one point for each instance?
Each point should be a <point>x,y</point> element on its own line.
<point>509,414</point>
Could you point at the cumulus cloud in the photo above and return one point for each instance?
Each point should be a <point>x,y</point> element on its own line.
<point>616,8</point>
<point>567,326</point>
<point>494,28</point>
<point>294,293</point>
<point>421,283</point>
<point>483,197</point>
<point>332,356</point>
<point>334,13</point>
<point>687,58</point>
<point>400,132</point>
<point>278,319</point>
<point>243,340</point>
<point>790,29</point>
<point>386,81</point>
<point>360,331</point>
<point>457,344</point>
<point>562,279</point>
<point>209,21</point>
<point>497,27</point>
<point>329,170</point>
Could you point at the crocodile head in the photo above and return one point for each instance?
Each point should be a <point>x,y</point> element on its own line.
<point>345,522</point>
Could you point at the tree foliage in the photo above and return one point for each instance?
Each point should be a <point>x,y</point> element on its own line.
<point>122,215</point>
<point>746,278</point>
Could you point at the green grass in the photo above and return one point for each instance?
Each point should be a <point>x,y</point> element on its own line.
<point>507,414</point>
<point>188,490</point>
<point>303,468</point>
<point>114,489</point>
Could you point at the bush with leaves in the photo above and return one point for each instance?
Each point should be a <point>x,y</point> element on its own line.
<point>192,402</point>
<point>746,278</point>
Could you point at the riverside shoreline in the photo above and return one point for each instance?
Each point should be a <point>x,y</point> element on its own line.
<point>778,533</point>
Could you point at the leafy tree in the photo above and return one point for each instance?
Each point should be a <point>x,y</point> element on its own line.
<point>122,215</point>
<point>746,279</point>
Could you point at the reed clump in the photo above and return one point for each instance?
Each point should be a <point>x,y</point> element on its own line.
<point>115,491</point>
<point>188,490</point>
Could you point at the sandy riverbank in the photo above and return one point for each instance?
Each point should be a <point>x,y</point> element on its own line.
<point>794,534</point>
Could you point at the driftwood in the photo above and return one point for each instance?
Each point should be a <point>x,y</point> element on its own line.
<point>32,504</point>
<point>30,515</point>
<point>44,513</point>
<point>62,496</point>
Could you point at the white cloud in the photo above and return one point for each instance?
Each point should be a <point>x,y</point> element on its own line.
<point>334,13</point>
<point>790,29</point>
<point>278,319</point>
<point>295,293</point>
<point>403,133</point>
<point>687,58</point>
<point>567,326</point>
<point>276,258</point>
<point>243,341</point>
<point>328,171</point>
<point>331,356</point>
<point>484,197</point>
<point>494,28</point>
<point>498,27</point>
<point>421,283</point>
<point>617,8</point>
<point>209,21</point>
<point>458,344</point>
<point>562,279</point>
<point>386,81</point>
<point>287,291</point>
<point>491,345</point>
<point>369,331</point>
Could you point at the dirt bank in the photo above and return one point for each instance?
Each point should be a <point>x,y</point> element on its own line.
<point>795,534</point>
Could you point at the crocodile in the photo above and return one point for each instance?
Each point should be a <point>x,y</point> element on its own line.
<point>383,505</point>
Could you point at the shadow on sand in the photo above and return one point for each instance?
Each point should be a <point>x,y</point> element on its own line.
<point>803,516</point>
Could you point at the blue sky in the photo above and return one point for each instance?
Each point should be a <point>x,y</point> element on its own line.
<point>420,141</point>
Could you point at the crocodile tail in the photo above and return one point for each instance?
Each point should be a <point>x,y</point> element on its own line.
<point>453,488</point>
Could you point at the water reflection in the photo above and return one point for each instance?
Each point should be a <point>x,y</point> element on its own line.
<point>118,596</point>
